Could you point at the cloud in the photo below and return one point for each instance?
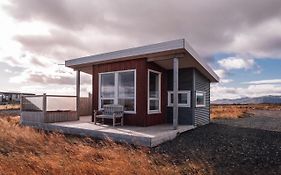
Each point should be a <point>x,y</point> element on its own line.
<point>57,44</point>
<point>263,41</point>
<point>49,79</point>
<point>219,91</point>
<point>74,14</point>
<point>31,69</point>
<point>54,89</point>
<point>226,81</point>
<point>51,90</point>
<point>221,73</point>
<point>231,26</point>
<point>271,81</point>
<point>48,76</point>
<point>37,62</point>
<point>12,61</point>
<point>8,71</point>
<point>236,63</point>
<point>47,32</point>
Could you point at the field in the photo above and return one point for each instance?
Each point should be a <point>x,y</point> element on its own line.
<point>24,150</point>
<point>10,107</point>
<point>239,111</point>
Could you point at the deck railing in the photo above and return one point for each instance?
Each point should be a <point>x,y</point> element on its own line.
<point>46,103</point>
<point>48,108</point>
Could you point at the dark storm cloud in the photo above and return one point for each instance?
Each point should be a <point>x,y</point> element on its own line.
<point>271,43</point>
<point>67,14</point>
<point>58,43</point>
<point>210,26</point>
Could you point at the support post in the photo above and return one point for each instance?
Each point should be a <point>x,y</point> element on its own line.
<point>78,93</point>
<point>175,92</point>
<point>21,103</point>
<point>193,97</point>
<point>44,106</point>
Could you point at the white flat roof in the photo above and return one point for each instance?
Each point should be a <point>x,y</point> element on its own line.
<point>159,50</point>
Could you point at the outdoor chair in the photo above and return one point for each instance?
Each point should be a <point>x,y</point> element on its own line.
<point>112,112</point>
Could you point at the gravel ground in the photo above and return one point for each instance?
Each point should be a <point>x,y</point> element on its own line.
<point>224,149</point>
<point>262,119</point>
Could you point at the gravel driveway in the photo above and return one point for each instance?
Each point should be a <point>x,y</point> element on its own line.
<point>262,119</point>
<point>229,148</point>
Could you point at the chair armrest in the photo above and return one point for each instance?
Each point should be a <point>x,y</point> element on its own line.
<point>97,112</point>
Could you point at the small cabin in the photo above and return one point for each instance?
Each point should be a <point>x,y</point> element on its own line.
<point>160,83</point>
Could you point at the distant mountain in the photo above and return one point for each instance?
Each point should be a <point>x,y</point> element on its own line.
<point>248,100</point>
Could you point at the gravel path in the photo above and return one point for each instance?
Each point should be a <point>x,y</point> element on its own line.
<point>262,119</point>
<point>224,149</point>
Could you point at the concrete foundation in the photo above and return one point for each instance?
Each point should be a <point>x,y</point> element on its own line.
<point>143,136</point>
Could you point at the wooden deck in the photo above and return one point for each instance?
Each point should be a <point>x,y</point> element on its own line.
<point>145,136</point>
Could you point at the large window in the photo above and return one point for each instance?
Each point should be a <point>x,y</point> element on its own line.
<point>118,88</point>
<point>107,88</point>
<point>154,92</point>
<point>183,98</point>
<point>126,90</point>
<point>200,99</point>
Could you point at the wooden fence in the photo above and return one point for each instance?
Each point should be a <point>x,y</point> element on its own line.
<point>85,106</point>
<point>48,108</point>
<point>53,108</point>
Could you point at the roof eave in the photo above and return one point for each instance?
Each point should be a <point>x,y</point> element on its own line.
<point>138,52</point>
<point>194,54</point>
<point>127,53</point>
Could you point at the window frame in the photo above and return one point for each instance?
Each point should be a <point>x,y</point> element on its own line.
<point>106,98</point>
<point>160,92</point>
<point>116,86</point>
<point>187,92</point>
<point>204,97</point>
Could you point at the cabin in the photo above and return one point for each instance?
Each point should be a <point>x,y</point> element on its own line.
<point>162,90</point>
<point>11,97</point>
<point>160,83</point>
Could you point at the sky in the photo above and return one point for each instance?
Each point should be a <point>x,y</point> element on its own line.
<point>239,39</point>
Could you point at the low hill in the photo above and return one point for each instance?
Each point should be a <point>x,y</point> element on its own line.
<point>250,100</point>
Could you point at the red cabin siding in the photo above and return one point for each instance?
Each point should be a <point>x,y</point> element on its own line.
<point>141,118</point>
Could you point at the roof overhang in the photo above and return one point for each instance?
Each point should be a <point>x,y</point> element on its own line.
<point>161,54</point>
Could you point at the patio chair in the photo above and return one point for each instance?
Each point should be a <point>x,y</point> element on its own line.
<point>110,112</point>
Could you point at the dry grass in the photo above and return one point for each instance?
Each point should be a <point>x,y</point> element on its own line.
<point>10,107</point>
<point>24,150</point>
<point>239,111</point>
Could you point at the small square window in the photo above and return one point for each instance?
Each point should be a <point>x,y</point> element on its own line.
<point>183,98</point>
<point>200,99</point>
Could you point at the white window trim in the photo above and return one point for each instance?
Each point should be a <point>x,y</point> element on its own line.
<point>204,95</point>
<point>187,92</point>
<point>115,98</point>
<point>148,98</point>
